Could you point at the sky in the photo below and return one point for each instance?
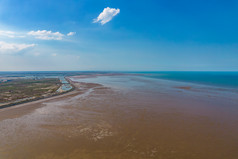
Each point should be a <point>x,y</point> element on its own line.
<point>118,35</point>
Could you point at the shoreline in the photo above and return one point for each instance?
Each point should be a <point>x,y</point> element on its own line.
<point>20,109</point>
<point>13,104</point>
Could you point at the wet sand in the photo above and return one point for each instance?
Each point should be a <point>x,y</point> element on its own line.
<point>98,121</point>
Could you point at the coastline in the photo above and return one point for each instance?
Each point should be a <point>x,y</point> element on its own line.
<point>27,107</point>
<point>14,103</point>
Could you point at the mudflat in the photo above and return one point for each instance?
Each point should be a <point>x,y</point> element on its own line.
<point>136,119</point>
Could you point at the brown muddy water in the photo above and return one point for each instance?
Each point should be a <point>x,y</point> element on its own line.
<point>124,117</point>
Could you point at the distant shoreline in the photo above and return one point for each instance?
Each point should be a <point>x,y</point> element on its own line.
<point>39,98</point>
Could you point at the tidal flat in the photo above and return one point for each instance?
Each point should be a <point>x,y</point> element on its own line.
<point>122,116</point>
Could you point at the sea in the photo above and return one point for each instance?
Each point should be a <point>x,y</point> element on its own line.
<point>127,115</point>
<point>211,78</point>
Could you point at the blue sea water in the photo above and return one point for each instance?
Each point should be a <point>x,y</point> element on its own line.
<point>220,79</point>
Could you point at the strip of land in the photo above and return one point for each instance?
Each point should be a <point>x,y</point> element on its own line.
<point>19,91</point>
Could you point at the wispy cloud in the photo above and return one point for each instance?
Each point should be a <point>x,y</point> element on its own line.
<point>71,33</point>
<point>46,35</point>
<point>107,15</point>
<point>9,34</point>
<point>39,34</point>
<point>6,48</point>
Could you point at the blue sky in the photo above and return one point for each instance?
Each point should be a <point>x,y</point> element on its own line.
<point>120,35</point>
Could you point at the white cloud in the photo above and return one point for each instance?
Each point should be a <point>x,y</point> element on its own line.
<point>54,54</point>
<point>106,15</point>
<point>9,34</point>
<point>46,35</point>
<point>6,48</point>
<point>39,34</point>
<point>71,33</point>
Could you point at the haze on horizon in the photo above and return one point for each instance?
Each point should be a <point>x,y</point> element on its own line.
<point>120,35</point>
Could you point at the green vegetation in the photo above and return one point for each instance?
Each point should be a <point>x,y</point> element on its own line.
<point>20,89</point>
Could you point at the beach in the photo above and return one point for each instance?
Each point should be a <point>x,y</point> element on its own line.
<point>124,116</point>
